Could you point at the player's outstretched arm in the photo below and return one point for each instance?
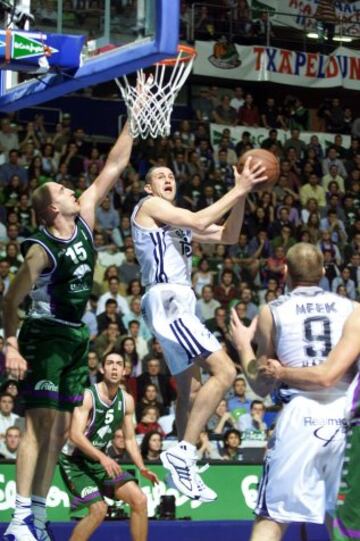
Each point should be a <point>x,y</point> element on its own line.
<point>340,359</point>
<point>164,212</point>
<point>77,436</point>
<point>229,232</point>
<point>35,262</point>
<point>116,162</point>
<point>242,337</point>
<point>130,440</point>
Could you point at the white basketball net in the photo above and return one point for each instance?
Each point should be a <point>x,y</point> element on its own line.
<point>150,103</point>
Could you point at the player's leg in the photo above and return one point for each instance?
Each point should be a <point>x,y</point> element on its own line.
<point>87,526</point>
<point>267,530</point>
<point>223,373</point>
<point>132,495</point>
<point>347,518</point>
<point>49,450</point>
<point>188,384</point>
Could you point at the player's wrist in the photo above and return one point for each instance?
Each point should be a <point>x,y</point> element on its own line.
<point>12,343</point>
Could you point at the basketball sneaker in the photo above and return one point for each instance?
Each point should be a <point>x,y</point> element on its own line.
<point>44,531</point>
<point>206,493</point>
<point>181,462</point>
<point>21,531</point>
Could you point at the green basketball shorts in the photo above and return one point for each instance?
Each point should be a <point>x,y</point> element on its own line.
<point>57,364</point>
<point>347,518</point>
<point>87,481</point>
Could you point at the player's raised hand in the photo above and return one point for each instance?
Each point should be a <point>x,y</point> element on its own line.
<point>111,467</point>
<point>270,369</point>
<point>151,476</point>
<point>252,174</point>
<point>15,364</point>
<point>241,336</point>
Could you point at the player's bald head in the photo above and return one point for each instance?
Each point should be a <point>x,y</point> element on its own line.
<point>305,264</point>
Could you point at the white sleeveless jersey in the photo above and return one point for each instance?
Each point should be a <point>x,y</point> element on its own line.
<point>308,324</point>
<point>164,253</point>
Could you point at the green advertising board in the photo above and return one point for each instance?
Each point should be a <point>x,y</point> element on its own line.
<point>236,485</point>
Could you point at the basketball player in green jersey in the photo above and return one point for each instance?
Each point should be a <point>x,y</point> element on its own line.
<point>50,353</point>
<point>87,471</point>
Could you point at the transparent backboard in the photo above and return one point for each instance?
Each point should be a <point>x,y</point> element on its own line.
<point>121,36</point>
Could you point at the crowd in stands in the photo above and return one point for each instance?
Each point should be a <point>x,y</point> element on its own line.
<point>316,199</point>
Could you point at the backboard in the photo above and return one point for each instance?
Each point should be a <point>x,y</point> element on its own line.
<point>121,36</point>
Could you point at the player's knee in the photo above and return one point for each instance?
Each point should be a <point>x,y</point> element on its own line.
<point>138,502</point>
<point>228,373</point>
<point>98,511</point>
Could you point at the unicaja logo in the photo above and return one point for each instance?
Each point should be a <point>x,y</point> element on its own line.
<point>46,385</point>
<point>88,490</point>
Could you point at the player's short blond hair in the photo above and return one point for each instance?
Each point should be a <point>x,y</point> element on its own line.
<point>41,199</point>
<point>305,263</point>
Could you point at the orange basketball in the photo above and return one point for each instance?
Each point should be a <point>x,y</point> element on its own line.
<point>268,160</point>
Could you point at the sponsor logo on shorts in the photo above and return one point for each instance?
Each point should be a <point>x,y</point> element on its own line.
<point>88,490</point>
<point>46,385</point>
<point>325,421</point>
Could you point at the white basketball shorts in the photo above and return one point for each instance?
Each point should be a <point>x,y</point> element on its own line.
<point>169,310</point>
<point>302,467</point>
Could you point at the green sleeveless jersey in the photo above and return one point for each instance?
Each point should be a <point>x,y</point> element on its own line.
<point>62,291</point>
<point>104,420</point>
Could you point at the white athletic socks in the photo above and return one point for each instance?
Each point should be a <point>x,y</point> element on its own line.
<point>38,506</point>
<point>186,446</point>
<point>22,508</point>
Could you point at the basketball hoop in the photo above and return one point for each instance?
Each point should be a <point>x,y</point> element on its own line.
<point>150,103</point>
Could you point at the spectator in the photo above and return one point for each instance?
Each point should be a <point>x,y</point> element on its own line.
<point>10,444</point>
<point>333,176</point>
<point>332,159</point>
<point>205,449</point>
<point>217,325</point>
<point>204,26</point>
<point>7,416</point>
<point>222,419</point>
<point>149,421</point>
<point>241,310</point>
<point>246,297</point>
<point>238,405</point>
<point>11,168</point>
<point>248,113</point>
<point>226,291</point>
<point>237,100</point>
<point>94,374</point>
<point>107,218</point>
<point>8,136</point>
<point>204,107</point>
<point>108,341</point>
<point>345,280</point>
<point>299,116</point>
<point>276,265</point>
<point>165,390</point>
<point>141,344</point>
<point>117,450</point>
<point>113,293</point>
<point>253,421</point>
<point>111,315</point>
<point>326,19</point>
<point>129,353</point>
<point>129,269</point>
<point>335,226</point>
<point>151,446</point>
<point>312,190</point>
<point>231,445</point>
<point>271,116</point>
<point>225,113</point>
<point>156,352</point>
<point>295,142</point>
<point>202,277</point>
<point>136,314</point>
<point>206,305</point>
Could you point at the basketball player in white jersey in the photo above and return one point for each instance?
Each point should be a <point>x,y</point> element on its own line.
<point>302,466</point>
<point>162,235</point>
